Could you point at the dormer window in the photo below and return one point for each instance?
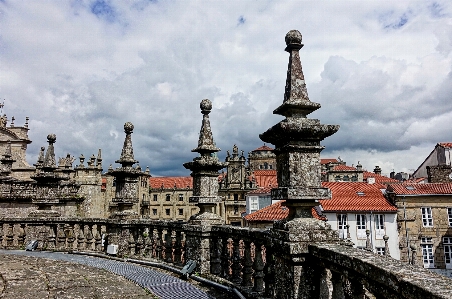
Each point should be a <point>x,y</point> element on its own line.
<point>361,193</point>
<point>410,188</point>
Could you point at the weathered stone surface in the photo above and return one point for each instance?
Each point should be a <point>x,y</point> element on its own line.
<point>27,277</point>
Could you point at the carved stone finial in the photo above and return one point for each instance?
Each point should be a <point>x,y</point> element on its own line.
<point>297,141</point>
<point>127,158</point>
<point>26,122</point>
<point>12,121</point>
<point>206,145</point>
<point>7,160</point>
<point>49,160</point>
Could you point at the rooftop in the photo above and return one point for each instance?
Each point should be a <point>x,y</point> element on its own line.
<point>421,189</point>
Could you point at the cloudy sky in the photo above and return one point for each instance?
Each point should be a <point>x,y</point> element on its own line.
<point>81,69</point>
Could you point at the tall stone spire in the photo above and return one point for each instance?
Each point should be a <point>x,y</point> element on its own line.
<point>205,172</point>
<point>127,159</point>
<point>297,141</point>
<point>49,160</point>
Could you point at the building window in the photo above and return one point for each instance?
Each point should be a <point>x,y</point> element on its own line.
<point>236,210</point>
<point>449,215</point>
<point>427,252</point>
<point>379,226</point>
<point>181,197</point>
<point>380,250</point>
<point>236,197</point>
<point>361,226</point>
<point>342,225</point>
<point>167,212</point>
<point>155,197</point>
<point>254,205</point>
<point>181,212</point>
<point>144,197</point>
<point>447,243</point>
<point>154,212</point>
<point>168,197</point>
<point>427,220</point>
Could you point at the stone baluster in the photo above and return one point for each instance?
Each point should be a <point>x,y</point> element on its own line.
<point>337,284</point>
<point>236,261</point>
<point>215,256</point>
<point>386,252</point>
<point>148,242</point>
<point>413,254</point>
<point>42,237</point>
<point>140,243</point>
<point>81,239</point>
<point>178,248</point>
<point>225,258</point>
<point>21,236</point>
<point>51,237</point>
<point>258,267</point>
<point>357,289</point>
<point>89,238</point>
<point>60,237</point>
<point>169,246</point>
<point>98,239</point>
<point>269,272</point>
<point>368,243</point>
<point>10,236</point>
<point>131,244</point>
<point>159,244</point>
<point>325,283</point>
<point>247,277</point>
<point>1,235</point>
<point>70,235</point>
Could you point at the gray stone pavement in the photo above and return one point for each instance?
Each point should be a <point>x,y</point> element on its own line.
<point>25,274</point>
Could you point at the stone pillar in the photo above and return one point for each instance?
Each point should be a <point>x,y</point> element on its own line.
<point>205,171</point>
<point>297,149</point>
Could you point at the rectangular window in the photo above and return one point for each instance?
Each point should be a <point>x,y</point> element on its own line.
<point>167,211</point>
<point>155,197</point>
<point>447,243</point>
<point>168,197</point>
<point>342,225</point>
<point>181,212</point>
<point>449,215</point>
<point>427,219</point>
<point>361,226</point>
<point>380,250</point>
<point>181,197</point>
<point>379,226</point>
<point>427,252</point>
<point>154,212</point>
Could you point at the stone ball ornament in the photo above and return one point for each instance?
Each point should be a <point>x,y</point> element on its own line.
<point>128,127</point>
<point>206,105</point>
<point>51,138</point>
<point>293,37</point>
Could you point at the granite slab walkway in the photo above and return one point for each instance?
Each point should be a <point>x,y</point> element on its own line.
<point>36,275</point>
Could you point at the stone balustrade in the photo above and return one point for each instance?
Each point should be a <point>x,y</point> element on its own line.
<point>249,259</point>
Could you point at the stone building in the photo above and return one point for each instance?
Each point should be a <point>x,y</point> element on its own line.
<point>262,158</point>
<point>17,137</point>
<point>424,218</point>
<point>169,198</point>
<point>437,166</point>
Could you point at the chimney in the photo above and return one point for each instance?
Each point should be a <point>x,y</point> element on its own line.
<point>377,170</point>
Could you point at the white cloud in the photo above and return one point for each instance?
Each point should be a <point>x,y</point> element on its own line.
<point>81,69</point>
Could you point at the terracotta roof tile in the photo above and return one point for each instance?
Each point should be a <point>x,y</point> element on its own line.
<point>264,190</point>
<point>379,178</point>
<point>344,168</point>
<point>263,148</point>
<point>266,178</point>
<point>270,213</point>
<point>421,189</point>
<point>356,196</point>
<point>276,212</point>
<point>171,182</point>
<point>328,160</point>
<point>445,144</point>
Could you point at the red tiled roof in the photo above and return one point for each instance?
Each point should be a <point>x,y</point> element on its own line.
<point>328,160</point>
<point>421,189</point>
<point>417,180</point>
<point>445,144</point>
<point>266,178</point>
<point>270,213</point>
<point>344,168</point>
<point>171,182</point>
<point>263,148</point>
<point>379,178</point>
<point>276,212</point>
<point>345,197</point>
